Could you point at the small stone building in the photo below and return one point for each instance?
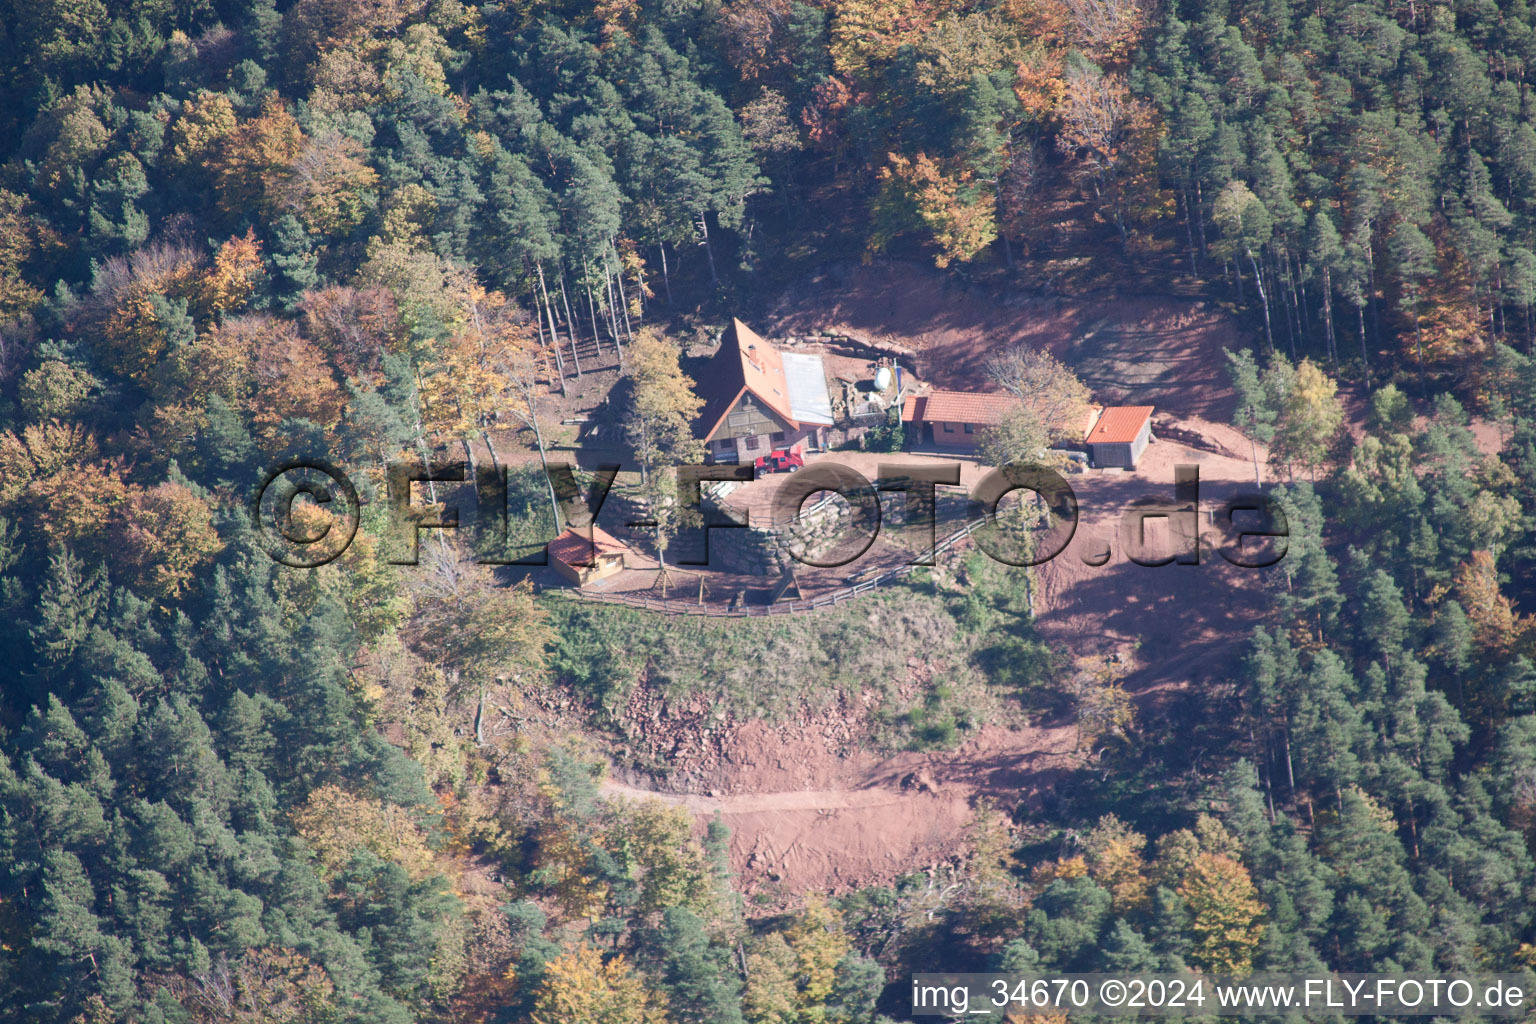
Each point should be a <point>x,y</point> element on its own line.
<point>582,560</point>
<point>1120,435</point>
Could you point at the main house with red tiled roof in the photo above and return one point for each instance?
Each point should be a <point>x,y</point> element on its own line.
<point>758,399</point>
<point>954,419</point>
<point>1120,435</point>
<point>582,559</point>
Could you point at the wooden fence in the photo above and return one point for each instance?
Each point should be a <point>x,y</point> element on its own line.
<point>691,606</point>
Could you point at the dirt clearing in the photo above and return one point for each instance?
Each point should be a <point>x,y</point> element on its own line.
<point>1141,349</point>
<point>864,820</point>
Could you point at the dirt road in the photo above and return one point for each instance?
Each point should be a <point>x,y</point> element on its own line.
<point>868,820</point>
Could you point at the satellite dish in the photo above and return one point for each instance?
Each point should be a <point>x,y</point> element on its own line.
<point>882,378</point>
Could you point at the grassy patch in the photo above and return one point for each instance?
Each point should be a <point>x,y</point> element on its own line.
<point>944,657</point>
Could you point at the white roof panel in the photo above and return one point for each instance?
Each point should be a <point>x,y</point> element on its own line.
<point>808,398</point>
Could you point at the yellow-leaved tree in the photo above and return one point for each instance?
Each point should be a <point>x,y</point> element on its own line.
<point>253,157</point>
<point>1113,137</point>
<point>655,842</point>
<point>163,536</point>
<point>491,639</point>
<point>326,185</point>
<point>662,409</point>
<point>293,381</point>
<point>1114,858</point>
<point>473,380</point>
<point>1226,916</point>
<point>580,987</point>
<point>956,208</point>
<point>236,272</point>
<point>791,974</point>
<point>1496,628</point>
<point>337,824</point>
<point>866,34</point>
<point>1312,415</point>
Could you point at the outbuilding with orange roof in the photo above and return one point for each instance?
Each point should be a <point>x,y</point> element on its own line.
<point>1120,435</point>
<point>955,419</point>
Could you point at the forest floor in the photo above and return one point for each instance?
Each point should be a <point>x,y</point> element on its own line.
<point>1129,348</point>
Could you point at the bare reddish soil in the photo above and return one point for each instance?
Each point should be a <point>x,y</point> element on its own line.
<point>1173,623</point>
<point>804,820</point>
<point>1144,349</point>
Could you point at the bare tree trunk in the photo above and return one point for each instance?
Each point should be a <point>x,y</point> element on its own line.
<point>1299,297</point>
<point>1290,771</point>
<point>1333,345</point>
<point>1189,231</point>
<point>1200,217</point>
<point>640,283</point>
<point>570,317</point>
<point>592,309</point>
<point>538,440</point>
<point>709,250</point>
<point>1258,282</point>
<point>1370,272</point>
<point>613,319</point>
<point>1282,285</point>
<point>550,313</point>
<point>480,718</point>
<point>666,277</point>
<point>546,346</point>
<point>623,299</point>
<point>1364,355</point>
<point>1418,341</point>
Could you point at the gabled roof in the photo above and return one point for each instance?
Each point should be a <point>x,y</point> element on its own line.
<point>1119,424</point>
<point>575,550</point>
<point>744,363</point>
<point>957,407</point>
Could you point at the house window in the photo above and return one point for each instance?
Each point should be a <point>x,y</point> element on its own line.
<point>778,436</point>
<point>970,428</point>
<point>752,443</point>
<point>949,428</point>
<point>725,444</point>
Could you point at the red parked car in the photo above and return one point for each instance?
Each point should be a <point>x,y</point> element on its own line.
<point>785,460</point>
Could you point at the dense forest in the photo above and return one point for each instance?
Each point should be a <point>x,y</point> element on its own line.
<point>238,231</point>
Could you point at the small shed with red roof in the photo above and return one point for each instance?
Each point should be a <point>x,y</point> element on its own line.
<point>582,559</point>
<point>1120,435</point>
<point>954,419</point>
